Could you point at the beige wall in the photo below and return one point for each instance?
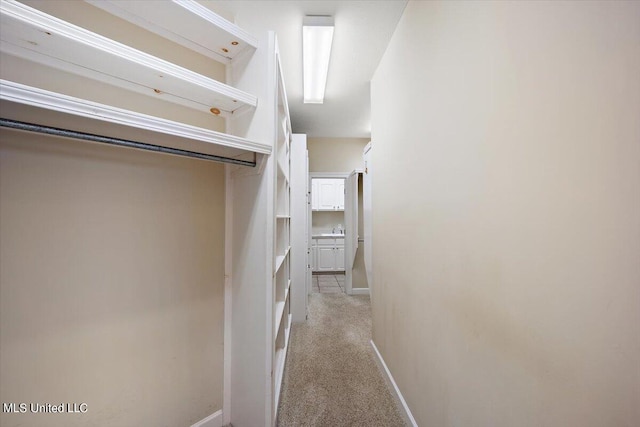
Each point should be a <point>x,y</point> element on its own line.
<point>111,286</point>
<point>335,154</point>
<point>506,213</point>
<point>325,221</point>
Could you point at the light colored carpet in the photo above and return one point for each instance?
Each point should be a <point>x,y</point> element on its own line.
<point>331,377</point>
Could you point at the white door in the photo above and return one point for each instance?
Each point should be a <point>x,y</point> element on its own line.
<point>366,215</point>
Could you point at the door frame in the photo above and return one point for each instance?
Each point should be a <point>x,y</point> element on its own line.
<point>329,175</point>
<point>351,244</point>
<point>367,207</point>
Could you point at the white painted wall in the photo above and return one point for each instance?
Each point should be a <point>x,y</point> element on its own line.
<point>506,212</point>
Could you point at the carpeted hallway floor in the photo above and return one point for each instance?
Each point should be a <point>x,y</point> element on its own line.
<point>331,377</point>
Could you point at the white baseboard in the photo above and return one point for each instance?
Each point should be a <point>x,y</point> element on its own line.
<point>360,291</point>
<point>395,391</point>
<point>213,420</point>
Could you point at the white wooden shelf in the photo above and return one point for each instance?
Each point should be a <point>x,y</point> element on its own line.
<point>279,309</point>
<point>187,23</point>
<point>280,258</point>
<point>279,359</point>
<point>50,108</point>
<point>36,36</point>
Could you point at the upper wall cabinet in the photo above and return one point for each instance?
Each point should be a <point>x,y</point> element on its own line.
<point>327,194</point>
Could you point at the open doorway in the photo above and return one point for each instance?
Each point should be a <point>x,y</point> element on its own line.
<point>328,230</point>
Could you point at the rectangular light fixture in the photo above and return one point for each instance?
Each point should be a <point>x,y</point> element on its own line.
<point>317,36</point>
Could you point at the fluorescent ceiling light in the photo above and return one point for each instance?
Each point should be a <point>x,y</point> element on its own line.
<point>317,36</point>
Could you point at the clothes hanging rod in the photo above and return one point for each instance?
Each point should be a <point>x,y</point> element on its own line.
<point>66,133</point>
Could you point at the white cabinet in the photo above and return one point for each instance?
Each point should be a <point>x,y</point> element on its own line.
<point>327,254</point>
<point>327,194</point>
<point>326,258</point>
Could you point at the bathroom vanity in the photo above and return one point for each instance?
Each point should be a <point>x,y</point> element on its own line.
<point>327,252</point>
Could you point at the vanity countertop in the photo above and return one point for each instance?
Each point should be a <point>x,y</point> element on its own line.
<point>328,236</point>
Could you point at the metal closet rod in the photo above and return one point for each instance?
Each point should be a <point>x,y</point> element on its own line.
<point>30,127</point>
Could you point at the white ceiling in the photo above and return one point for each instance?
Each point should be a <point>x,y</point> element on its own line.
<point>362,32</point>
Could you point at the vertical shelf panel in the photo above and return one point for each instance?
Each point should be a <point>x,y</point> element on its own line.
<point>282,291</point>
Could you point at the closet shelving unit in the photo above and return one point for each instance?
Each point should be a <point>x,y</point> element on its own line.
<point>282,289</point>
<point>258,133</point>
<point>46,40</point>
<point>261,307</point>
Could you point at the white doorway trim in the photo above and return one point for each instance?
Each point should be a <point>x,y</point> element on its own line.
<point>352,237</point>
<point>329,175</point>
<point>366,215</point>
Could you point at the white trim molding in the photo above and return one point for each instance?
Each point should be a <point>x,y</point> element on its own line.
<point>213,420</point>
<point>360,291</point>
<point>393,387</point>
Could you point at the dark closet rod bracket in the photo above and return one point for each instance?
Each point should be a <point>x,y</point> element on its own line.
<point>66,133</point>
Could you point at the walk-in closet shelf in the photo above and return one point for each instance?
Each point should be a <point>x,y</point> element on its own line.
<point>202,31</point>
<point>48,42</point>
<point>23,103</point>
<point>36,36</point>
